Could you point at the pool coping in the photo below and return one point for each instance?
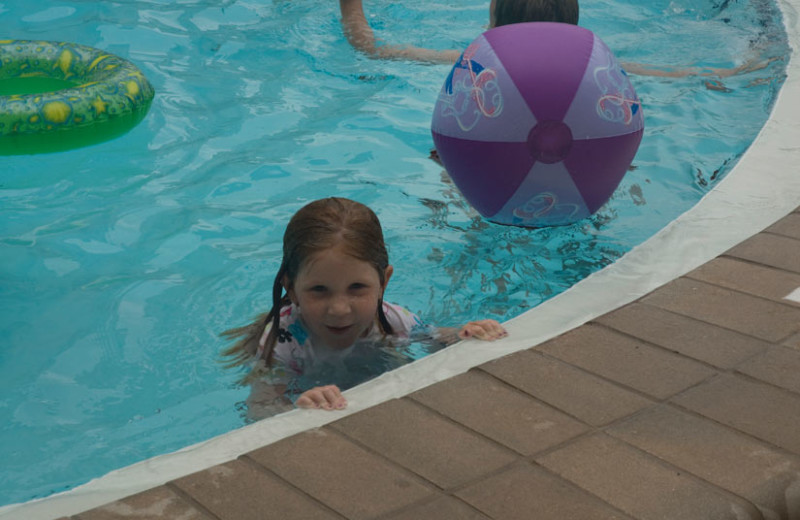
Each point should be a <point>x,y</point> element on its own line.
<point>759,191</point>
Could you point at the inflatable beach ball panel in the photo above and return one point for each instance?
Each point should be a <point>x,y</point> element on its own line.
<point>537,124</point>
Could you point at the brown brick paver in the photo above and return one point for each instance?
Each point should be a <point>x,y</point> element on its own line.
<point>525,492</point>
<point>444,507</point>
<point>239,491</point>
<point>641,485</point>
<point>155,504</point>
<point>779,366</point>
<point>627,361</point>
<point>777,251</point>
<point>762,410</point>
<point>724,457</point>
<point>759,280</point>
<point>412,436</point>
<point>764,319</point>
<point>682,405</point>
<point>793,342</point>
<point>500,412</point>
<point>332,469</point>
<point>683,335</point>
<point>585,396</point>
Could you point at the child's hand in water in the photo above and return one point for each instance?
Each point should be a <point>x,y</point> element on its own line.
<point>488,330</point>
<point>324,397</point>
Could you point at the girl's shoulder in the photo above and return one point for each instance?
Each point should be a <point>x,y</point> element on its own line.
<point>402,320</point>
<point>291,334</point>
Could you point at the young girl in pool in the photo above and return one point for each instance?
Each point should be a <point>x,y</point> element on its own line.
<point>505,12</point>
<point>334,273</point>
<point>501,12</point>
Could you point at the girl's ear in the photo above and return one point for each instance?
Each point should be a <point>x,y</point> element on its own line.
<point>387,273</point>
<point>289,291</point>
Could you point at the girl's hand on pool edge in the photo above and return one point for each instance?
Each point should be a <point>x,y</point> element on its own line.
<point>322,397</point>
<point>487,330</point>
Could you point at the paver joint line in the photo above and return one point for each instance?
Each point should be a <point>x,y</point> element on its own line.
<point>654,399</point>
<point>787,303</point>
<point>331,428</point>
<point>259,467</point>
<point>626,465</point>
<point>742,333</point>
<point>650,343</point>
<point>190,499</point>
<point>766,442</point>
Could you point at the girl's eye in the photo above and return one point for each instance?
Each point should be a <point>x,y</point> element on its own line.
<point>318,289</point>
<point>358,286</point>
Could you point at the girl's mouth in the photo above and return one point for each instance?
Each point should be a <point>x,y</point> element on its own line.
<point>339,330</point>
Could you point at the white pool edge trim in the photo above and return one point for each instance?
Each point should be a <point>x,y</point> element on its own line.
<point>793,296</point>
<point>760,190</point>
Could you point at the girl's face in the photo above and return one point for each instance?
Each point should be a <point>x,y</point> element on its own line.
<point>338,297</point>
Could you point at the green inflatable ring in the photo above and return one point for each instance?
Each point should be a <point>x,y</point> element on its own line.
<point>56,96</point>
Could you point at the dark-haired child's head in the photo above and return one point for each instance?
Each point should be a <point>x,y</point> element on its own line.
<point>340,233</point>
<point>333,222</point>
<point>505,12</point>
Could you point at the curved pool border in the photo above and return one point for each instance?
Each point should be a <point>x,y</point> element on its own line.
<point>760,189</point>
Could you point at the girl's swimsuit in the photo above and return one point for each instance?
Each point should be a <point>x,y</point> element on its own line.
<point>295,355</point>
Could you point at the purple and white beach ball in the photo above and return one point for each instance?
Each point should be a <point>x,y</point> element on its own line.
<point>537,123</point>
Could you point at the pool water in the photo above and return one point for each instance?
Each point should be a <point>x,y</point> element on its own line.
<point>120,263</point>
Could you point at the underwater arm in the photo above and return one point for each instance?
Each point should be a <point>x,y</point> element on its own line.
<point>754,63</point>
<point>360,35</point>
<point>266,400</point>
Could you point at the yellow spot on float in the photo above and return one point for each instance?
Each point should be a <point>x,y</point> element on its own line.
<point>64,62</point>
<point>100,106</point>
<point>98,60</point>
<point>133,89</point>
<point>56,112</point>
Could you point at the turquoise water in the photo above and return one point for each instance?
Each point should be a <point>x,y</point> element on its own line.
<point>121,263</point>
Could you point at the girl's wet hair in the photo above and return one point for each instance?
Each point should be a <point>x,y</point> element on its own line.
<point>518,11</point>
<point>318,226</point>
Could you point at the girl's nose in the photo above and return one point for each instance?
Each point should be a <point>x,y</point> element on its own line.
<point>340,305</point>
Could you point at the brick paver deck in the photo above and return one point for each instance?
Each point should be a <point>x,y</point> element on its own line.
<point>682,405</point>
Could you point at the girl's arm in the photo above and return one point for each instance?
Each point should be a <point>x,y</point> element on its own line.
<point>753,63</point>
<point>360,35</point>
<point>266,400</point>
<point>356,28</point>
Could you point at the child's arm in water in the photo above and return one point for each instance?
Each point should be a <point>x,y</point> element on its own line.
<point>267,399</point>
<point>486,330</point>
<point>754,63</point>
<point>360,35</point>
